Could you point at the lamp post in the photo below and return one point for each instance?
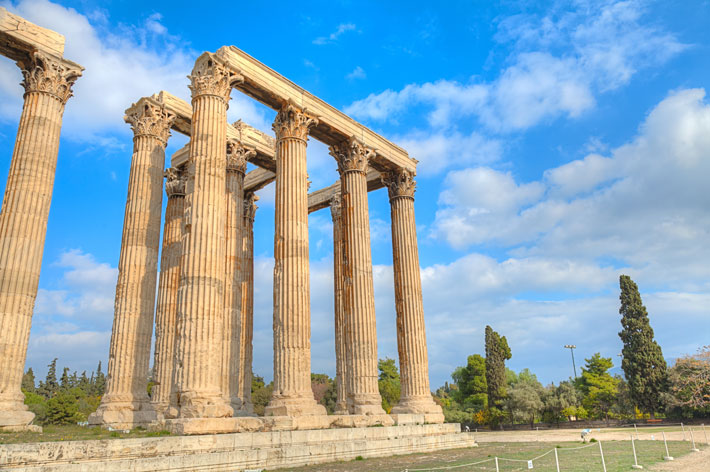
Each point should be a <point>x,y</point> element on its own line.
<point>571,348</point>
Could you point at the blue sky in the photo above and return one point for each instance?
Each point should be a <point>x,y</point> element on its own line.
<point>560,145</point>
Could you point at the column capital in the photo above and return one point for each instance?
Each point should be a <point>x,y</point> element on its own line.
<point>293,122</point>
<point>49,74</point>
<point>351,155</point>
<point>400,183</point>
<point>335,206</point>
<point>175,182</point>
<point>211,76</point>
<point>149,119</point>
<point>237,156</point>
<point>250,199</point>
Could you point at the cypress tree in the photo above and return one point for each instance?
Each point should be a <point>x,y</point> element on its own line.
<point>643,363</point>
<point>99,382</point>
<point>50,385</point>
<point>28,381</point>
<point>65,382</point>
<point>497,352</point>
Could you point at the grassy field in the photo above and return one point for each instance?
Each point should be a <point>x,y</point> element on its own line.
<point>73,433</point>
<point>617,454</point>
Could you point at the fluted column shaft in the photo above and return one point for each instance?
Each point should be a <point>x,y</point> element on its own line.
<point>292,394</point>
<point>411,335</point>
<point>201,292</point>
<point>361,329</point>
<point>247,281</point>
<point>126,402</point>
<point>338,282</point>
<point>166,310</point>
<point>234,204</point>
<point>23,220</point>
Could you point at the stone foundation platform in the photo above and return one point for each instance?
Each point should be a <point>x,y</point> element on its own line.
<point>231,452</point>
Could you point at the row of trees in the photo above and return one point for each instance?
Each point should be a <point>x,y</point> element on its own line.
<point>485,392</point>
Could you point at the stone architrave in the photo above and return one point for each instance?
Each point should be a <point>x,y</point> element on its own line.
<point>411,336</point>
<point>341,405</point>
<point>201,288</point>
<point>166,310</point>
<point>247,332</point>
<point>292,394</point>
<point>360,325</point>
<point>125,403</point>
<point>237,157</point>
<point>23,220</point>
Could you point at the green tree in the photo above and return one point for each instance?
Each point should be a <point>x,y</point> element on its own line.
<point>260,394</point>
<point>561,402</point>
<point>99,382</point>
<point>689,393</point>
<point>497,352</point>
<point>65,381</point>
<point>388,383</point>
<point>50,386</point>
<point>643,363</point>
<point>598,386</point>
<point>525,397</point>
<point>28,381</point>
<point>472,388</point>
<point>63,408</point>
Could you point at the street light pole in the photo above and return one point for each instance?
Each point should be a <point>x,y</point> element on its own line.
<point>571,348</point>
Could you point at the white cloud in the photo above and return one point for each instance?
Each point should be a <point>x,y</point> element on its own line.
<point>357,73</point>
<point>605,46</point>
<point>121,64</point>
<point>644,205</point>
<point>332,37</point>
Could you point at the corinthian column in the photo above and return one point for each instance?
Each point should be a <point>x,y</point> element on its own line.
<point>201,292</point>
<point>341,404</point>
<point>411,336</point>
<point>237,157</point>
<point>292,318</point>
<point>126,402</point>
<point>247,332</point>
<point>166,311</point>
<point>23,220</point>
<point>361,330</point>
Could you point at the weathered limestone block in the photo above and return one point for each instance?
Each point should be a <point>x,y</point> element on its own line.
<point>166,310</point>
<point>361,330</point>
<point>237,156</point>
<point>292,394</point>
<point>126,403</point>
<point>341,405</point>
<point>201,291</point>
<point>23,220</point>
<point>247,332</point>
<point>411,335</point>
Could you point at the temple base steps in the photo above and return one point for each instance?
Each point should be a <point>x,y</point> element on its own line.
<point>232,452</point>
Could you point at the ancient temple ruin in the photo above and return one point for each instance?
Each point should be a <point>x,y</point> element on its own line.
<point>203,320</point>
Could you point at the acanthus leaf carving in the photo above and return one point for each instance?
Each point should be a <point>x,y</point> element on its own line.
<point>351,155</point>
<point>175,182</point>
<point>250,199</point>
<point>211,76</point>
<point>400,183</point>
<point>237,156</point>
<point>293,122</point>
<point>45,73</point>
<point>150,119</point>
<point>336,206</point>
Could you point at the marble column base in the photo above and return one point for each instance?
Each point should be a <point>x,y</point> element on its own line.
<point>123,415</point>
<point>416,406</point>
<point>17,418</point>
<point>200,405</point>
<point>306,406</point>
